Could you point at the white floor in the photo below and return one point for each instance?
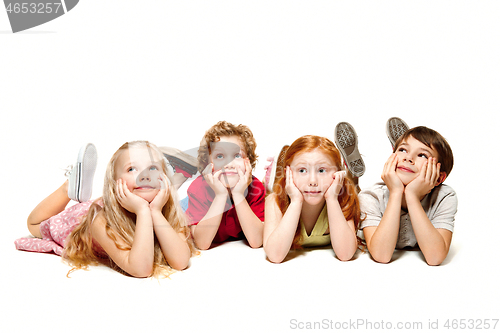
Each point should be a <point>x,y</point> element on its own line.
<point>116,71</point>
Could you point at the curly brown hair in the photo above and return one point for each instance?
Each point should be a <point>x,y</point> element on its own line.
<point>224,128</point>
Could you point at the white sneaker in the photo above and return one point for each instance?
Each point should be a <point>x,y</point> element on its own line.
<point>81,175</point>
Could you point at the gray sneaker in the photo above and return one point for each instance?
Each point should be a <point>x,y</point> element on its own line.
<point>81,175</point>
<point>181,161</point>
<point>394,128</point>
<point>347,143</point>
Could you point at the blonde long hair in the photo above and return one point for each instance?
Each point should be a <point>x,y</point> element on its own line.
<point>80,251</point>
<point>348,198</point>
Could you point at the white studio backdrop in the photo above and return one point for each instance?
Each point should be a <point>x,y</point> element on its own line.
<point>165,71</point>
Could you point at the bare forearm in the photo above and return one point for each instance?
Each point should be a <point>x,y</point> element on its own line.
<point>384,239</point>
<point>343,237</point>
<point>205,231</point>
<point>252,226</point>
<point>280,240</point>
<point>174,248</point>
<point>141,255</point>
<point>431,243</point>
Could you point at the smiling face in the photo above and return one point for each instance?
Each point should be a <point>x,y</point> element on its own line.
<point>412,155</point>
<point>228,155</point>
<point>313,174</point>
<point>140,168</point>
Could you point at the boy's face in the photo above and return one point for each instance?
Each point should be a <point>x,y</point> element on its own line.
<point>412,155</point>
<point>228,155</point>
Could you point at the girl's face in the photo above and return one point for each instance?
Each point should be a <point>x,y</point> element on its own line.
<point>140,168</point>
<point>313,174</point>
<point>228,155</point>
<point>412,155</point>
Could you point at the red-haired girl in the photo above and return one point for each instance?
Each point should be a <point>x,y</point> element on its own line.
<point>313,203</point>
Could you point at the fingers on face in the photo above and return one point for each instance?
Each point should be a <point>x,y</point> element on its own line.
<point>431,171</point>
<point>240,173</point>
<point>429,168</point>
<point>394,162</point>
<point>288,176</point>
<point>436,168</point>
<point>338,177</point>
<point>391,163</point>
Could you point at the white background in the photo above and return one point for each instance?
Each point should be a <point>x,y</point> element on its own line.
<point>115,71</point>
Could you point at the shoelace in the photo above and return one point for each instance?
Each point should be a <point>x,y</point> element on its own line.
<point>67,170</point>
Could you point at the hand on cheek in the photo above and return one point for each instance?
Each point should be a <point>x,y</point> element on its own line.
<point>291,189</point>
<point>213,180</point>
<point>128,200</point>
<point>245,178</point>
<point>336,186</point>
<point>426,180</point>
<point>161,197</point>
<point>389,176</point>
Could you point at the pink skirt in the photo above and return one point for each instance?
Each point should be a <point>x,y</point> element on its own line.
<point>55,230</point>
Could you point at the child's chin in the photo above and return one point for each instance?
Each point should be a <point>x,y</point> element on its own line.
<point>229,184</point>
<point>149,196</point>
<point>314,200</point>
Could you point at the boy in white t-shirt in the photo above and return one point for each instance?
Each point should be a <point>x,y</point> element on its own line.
<point>412,206</point>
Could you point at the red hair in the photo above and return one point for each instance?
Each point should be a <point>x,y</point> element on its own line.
<point>348,198</point>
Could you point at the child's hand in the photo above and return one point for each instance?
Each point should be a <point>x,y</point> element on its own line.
<point>161,197</point>
<point>390,177</point>
<point>426,179</point>
<point>336,186</point>
<point>213,180</point>
<point>291,189</point>
<point>245,179</point>
<point>128,200</point>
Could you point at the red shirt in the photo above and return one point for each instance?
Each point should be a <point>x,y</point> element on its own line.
<point>201,197</point>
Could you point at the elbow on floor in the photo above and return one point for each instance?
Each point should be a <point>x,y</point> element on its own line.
<point>274,258</point>
<point>434,261</point>
<point>383,259</point>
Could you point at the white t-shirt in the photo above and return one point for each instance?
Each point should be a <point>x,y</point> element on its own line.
<point>440,205</point>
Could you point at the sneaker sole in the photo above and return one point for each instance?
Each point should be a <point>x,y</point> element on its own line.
<point>395,128</point>
<point>347,143</point>
<point>86,165</point>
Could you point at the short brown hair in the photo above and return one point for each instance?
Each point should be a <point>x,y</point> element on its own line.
<point>224,128</point>
<point>434,140</point>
